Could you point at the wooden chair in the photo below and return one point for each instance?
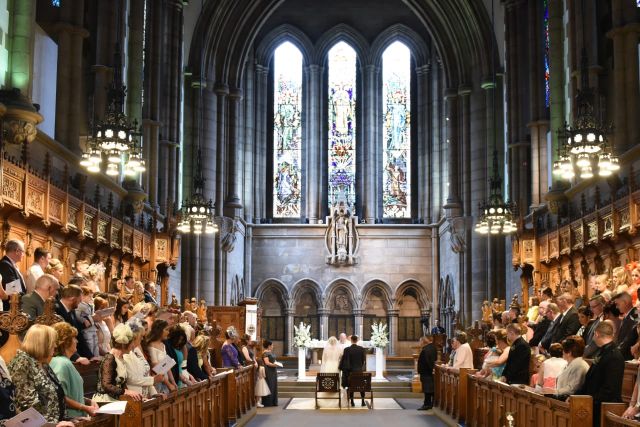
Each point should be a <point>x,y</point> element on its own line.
<point>328,383</point>
<point>360,382</point>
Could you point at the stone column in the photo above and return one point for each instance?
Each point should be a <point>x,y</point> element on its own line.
<point>259,170</point>
<point>453,205</point>
<point>358,323</point>
<point>323,316</point>
<point>632,91</point>
<point>423,74</point>
<point>370,76</point>
<point>288,344</point>
<point>435,270</point>
<point>393,331</point>
<point>556,67</point>
<point>314,131</point>
<point>248,182</point>
<point>221,92</point>
<point>466,296</point>
<point>151,131</point>
<point>21,25</point>
<point>232,202</point>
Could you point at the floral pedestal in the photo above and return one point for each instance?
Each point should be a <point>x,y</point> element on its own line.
<point>379,364</point>
<point>302,373</point>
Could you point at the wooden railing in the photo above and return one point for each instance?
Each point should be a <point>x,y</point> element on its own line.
<point>225,400</point>
<point>480,402</point>
<point>612,416</point>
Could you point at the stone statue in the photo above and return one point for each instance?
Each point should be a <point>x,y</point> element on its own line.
<point>174,302</point>
<point>341,237</point>
<point>496,306</point>
<point>202,311</point>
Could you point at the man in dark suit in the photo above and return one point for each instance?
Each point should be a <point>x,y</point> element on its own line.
<point>540,328</point>
<point>70,297</point>
<point>516,370</point>
<point>14,252</point>
<point>627,334</point>
<point>569,321</point>
<point>33,303</point>
<point>426,364</point>
<point>596,304</point>
<point>604,378</point>
<point>353,360</point>
<point>553,315</point>
<point>150,293</point>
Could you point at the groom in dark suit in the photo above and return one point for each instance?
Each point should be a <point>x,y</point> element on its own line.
<point>353,360</point>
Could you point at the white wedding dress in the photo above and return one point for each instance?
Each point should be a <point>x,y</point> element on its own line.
<point>331,359</point>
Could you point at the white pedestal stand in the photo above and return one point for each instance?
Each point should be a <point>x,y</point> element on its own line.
<point>302,355</point>
<point>379,364</point>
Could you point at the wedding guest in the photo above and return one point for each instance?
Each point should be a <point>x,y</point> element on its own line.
<point>41,258</point>
<point>200,346</point>
<point>462,355</point>
<point>426,365</point>
<point>33,303</point>
<point>122,311</point>
<point>247,353</point>
<point>541,325</point>
<point>139,375</point>
<point>66,306</point>
<point>175,347</point>
<point>7,394</point>
<point>568,323</point>
<point>112,375</point>
<point>596,305</point>
<point>571,379</point>
<point>36,384</point>
<point>271,372</point>
<point>150,293</point>
<point>552,367</point>
<point>85,315</point>
<point>104,326</point>
<point>621,279</point>
<point>626,335</point>
<point>584,317</point>
<point>516,370</point>
<point>229,352</point>
<point>495,365</point>
<point>532,313</point>
<point>633,287</point>
<point>604,379</point>
<point>71,381</point>
<point>611,313</point>
<point>156,351</point>
<point>55,268</point>
<point>9,272</point>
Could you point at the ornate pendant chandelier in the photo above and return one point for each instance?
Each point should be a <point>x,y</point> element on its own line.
<point>583,147</point>
<point>197,213</point>
<point>115,138</point>
<point>496,215</point>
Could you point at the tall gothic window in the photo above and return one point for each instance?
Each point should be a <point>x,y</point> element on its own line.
<point>396,153</point>
<point>287,131</point>
<point>342,125</point>
<point>545,31</point>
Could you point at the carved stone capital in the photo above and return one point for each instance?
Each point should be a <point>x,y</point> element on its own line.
<point>20,118</point>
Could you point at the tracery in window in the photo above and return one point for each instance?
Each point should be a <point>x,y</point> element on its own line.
<point>545,30</point>
<point>342,125</point>
<point>396,153</point>
<point>287,131</point>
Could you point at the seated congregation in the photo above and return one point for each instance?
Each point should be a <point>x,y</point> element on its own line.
<point>563,347</point>
<point>81,347</point>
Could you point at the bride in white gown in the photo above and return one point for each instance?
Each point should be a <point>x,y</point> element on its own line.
<point>331,356</point>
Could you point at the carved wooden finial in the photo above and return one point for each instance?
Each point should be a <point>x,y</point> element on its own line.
<point>49,317</point>
<point>14,322</point>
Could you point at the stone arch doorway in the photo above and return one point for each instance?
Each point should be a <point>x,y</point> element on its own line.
<point>376,305</point>
<point>306,306</point>
<point>412,311</point>
<point>340,310</point>
<point>273,301</point>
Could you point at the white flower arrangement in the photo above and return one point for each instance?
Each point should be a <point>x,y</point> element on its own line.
<point>302,337</point>
<point>379,335</point>
<point>96,271</point>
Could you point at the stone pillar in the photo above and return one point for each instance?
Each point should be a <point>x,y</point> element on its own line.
<point>151,131</point>
<point>288,344</point>
<point>249,138</point>
<point>423,76</point>
<point>358,323</point>
<point>221,92</point>
<point>453,205</point>
<point>466,290</point>
<point>632,90</point>
<point>393,331</point>
<point>259,170</point>
<point>314,148</point>
<point>323,317</point>
<point>435,270</point>
<point>232,202</point>
<point>22,20</point>
<point>556,67</point>
<point>370,75</point>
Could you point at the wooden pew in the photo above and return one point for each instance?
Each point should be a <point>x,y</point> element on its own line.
<point>611,416</point>
<point>451,391</point>
<point>225,400</point>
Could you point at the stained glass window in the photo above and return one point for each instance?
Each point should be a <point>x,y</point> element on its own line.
<point>55,3</point>
<point>545,29</point>
<point>287,131</point>
<point>342,125</point>
<point>396,154</point>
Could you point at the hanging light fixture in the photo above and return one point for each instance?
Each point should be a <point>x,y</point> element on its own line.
<point>496,215</point>
<point>583,147</point>
<point>197,213</point>
<point>114,137</point>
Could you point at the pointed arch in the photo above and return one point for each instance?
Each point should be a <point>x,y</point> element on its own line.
<point>418,291</point>
<point>384,288</point>
<point>345,33</point>
<point>341,284</point>
<point>302,286</point>
<point>279,35</point>
<point>420,51</point>
<point>276,286</point>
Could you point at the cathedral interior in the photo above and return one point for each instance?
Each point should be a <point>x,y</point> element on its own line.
<point>359,161</point>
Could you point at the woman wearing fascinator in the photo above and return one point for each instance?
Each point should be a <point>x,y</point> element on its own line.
<point>112,375</point>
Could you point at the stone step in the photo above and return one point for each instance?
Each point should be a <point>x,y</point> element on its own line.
<point>311,394</point>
